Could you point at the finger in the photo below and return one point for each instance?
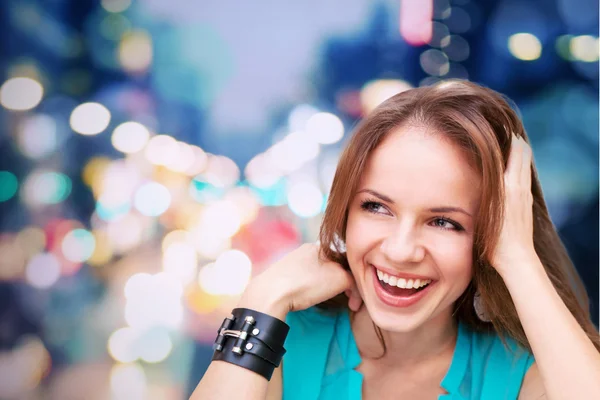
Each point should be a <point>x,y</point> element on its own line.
<point>514,163</point>
<point>526,165</point>
<point>354,299</point>
<point>354,303</point>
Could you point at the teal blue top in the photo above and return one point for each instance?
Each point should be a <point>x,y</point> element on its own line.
<point>322,356</point>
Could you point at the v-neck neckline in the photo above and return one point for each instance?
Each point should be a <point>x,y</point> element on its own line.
<point>451,381</point>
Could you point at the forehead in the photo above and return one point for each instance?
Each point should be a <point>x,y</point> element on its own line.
<point>412,164</point>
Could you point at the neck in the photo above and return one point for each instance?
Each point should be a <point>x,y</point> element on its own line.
<point>435,338</point>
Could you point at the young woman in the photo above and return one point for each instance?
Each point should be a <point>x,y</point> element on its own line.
<point>438,275</point>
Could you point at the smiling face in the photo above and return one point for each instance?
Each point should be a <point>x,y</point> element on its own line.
<point>412,218</point>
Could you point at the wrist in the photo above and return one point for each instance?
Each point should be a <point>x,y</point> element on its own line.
<point>520,267</point>
<point>264,298</point>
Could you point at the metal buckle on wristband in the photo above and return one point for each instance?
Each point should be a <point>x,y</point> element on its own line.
<point>241,335</point>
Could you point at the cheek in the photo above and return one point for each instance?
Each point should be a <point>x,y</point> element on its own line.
<point>357,243</point>
<point>455,261</point>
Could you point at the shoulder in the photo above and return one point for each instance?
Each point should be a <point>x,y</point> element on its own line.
<point>498,365</point>
<point>310,330</point>
<point>307,349</point>
<point>492,348</point>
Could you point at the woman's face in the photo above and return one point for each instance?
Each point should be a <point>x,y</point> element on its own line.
<point>411,218</point>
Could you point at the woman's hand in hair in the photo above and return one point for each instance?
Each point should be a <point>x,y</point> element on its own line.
<point>298,281</point>
<point>515,243</point>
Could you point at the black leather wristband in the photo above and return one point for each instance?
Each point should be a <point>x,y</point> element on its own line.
<point>252,340</point>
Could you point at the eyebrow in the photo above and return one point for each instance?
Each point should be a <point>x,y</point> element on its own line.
<point>443,209</point>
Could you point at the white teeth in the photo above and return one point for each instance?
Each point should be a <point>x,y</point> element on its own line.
<point>401,282</point>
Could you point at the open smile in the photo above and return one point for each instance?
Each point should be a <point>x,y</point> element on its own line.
<point>398,291</point>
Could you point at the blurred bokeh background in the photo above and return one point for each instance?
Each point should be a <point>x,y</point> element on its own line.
<point>154,155</point>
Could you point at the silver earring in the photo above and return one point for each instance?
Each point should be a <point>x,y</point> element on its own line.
<point>480,308</point>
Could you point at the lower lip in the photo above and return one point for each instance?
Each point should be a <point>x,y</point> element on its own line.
<point>397,301</point>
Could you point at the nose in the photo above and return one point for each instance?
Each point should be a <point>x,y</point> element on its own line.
<point>402,246</point>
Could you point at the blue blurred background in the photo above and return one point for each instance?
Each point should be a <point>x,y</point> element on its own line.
<point>154,155</point>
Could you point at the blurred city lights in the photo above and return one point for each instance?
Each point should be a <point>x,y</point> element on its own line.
<point>156,303</point>
<point>42,270</point>
<point>208,245</point>
<point>525,46</point>
<point>135,51</point>
<point>440,35</point>
<point>21,94</point>
<point>37,136</point>
<point>23,367</point>
<point>299,116</point>
<point>45,187</point>
<point>128,382</point>
<point>89,119</point>
<point>94,170</point>
<point>185,158</point>
<point>125,233</point>
<point>122,345</point>
<point>8,185</point>
<point>130,137</point>
<point>221,171</point>
<point>228,275</point>
<point>200,161</point>
<point>305,199</point>
<point>154,345</point>
<point>31,240</point>
<point>137,284</point>
<point>325,128</point>
<point>108,210</point>
<point>78,245</point>
<point>376,92</point>
<point>260,173</point>
<point>115,6</point>
<point>180,260</point>
<point>102,250</point>
<point>434,62</point>
<point>117,184</point>
<point>273,195</point>
<point>456,48</point>
<point>162,150</point>
<point>201,302</point>
<point>246,202</point>
<point>175,237</point>
<point>327,170</point>
<point>584,48</point>
<point>114,26</point>
<point>152,199</point>
<point>295,150</point>
<point>415,21</point>
<point>222,218</point>
<point>12,262</point>
<point>458,20</point>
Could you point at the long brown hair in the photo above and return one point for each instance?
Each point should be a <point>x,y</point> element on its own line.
<point>480,121</point>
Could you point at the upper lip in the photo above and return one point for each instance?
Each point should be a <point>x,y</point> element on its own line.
<point>401,274</point>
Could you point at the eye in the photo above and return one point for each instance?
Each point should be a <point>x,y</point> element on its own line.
<point>374,207</point>
<point>447,224</point>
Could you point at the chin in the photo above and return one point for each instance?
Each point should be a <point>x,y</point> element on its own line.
<point>398,322</point>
